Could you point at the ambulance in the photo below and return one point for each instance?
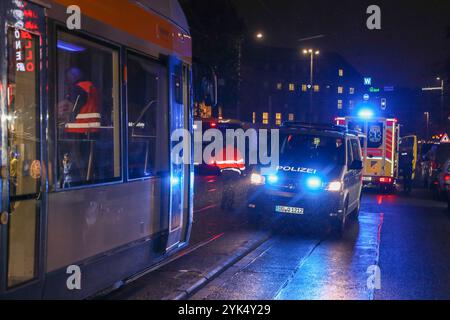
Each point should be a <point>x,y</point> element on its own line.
<point>380,139</point>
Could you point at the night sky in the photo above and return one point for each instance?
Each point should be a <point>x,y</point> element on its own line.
<point>409,51</point>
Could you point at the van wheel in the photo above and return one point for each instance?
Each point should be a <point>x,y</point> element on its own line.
<point>338,225</point>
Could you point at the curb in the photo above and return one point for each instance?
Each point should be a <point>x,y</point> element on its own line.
<point>216,272</point>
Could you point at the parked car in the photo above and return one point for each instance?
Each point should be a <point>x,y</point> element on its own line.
<point>422,163</point>
<point>444,180</point>
<point>216,165</point>
<point>434,163</point>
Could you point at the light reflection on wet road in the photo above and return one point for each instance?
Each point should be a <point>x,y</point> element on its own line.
<point>408,237</point>
<point>297,266</point>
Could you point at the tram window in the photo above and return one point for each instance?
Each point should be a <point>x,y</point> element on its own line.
<point>24,165</point>
<point>88,112</point>
<point>146,95</point>
<point>23,113</point>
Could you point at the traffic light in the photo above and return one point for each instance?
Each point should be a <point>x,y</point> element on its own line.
<point>383,104</point>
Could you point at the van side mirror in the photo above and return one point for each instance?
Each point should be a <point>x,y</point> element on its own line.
<point>356,165</point>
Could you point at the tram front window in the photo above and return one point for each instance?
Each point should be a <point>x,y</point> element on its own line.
<point>88,112</point>
<point>147,116</point>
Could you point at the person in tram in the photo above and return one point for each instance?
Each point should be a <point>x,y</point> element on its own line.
<point>68,170</point>
<point>86,114</point>
<point>82,121</point>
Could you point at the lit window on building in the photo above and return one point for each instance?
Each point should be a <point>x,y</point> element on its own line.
<point>279,86</point>
<point>340,90</point>
<point>341,72</point>
<point>265,118</point>
<point>278,119</point>
<point>254,117</point>
<point>340,104</point>
<point>352,90</point>
<point>291,117</point>
<point>316,88</point>
<point>291,87</point>
<point>304,87</point>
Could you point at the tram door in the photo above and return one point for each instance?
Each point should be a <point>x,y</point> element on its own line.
<point>21,161</point>
<point>179,179</point>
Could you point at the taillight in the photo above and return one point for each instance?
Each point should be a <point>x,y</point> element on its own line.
<point>386,180</point>
<point>447,178</point>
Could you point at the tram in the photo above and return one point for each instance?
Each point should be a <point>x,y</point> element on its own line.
<point>90,196</point>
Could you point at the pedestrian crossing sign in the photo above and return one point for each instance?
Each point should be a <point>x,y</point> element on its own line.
<point>445,139</point>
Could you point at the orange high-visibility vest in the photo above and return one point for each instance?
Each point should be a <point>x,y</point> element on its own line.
<point>89,118</point>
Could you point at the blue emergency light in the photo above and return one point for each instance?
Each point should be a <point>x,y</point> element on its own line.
<point>366,113</point>
<point>272,179</point>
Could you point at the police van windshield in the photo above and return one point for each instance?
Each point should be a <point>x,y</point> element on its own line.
<point>312,149</point>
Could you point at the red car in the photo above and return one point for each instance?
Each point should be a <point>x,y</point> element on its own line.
<point>215,166</point>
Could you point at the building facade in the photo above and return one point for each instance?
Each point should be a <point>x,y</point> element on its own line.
<point>276,86</point>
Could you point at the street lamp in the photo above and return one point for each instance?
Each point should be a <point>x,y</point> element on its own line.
<point>311,53</point>
<point>259,36</point>
<point>427,115</point>
<point>442,99</point>
<point>442,107</point>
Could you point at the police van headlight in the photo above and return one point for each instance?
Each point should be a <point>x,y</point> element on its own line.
<point>335,186</point>
<point>257,179</point>
<point>314,183</point>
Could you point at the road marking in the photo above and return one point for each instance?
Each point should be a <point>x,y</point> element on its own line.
<point>377,251</point>
<point>297,269</point>
<point>206,208</point>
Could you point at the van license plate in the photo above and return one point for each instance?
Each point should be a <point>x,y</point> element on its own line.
<point>290,210</point>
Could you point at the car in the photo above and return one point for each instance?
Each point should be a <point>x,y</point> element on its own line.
<point>444,180</point>
<point>319,177</point>
<point>436,159</point>
<point>215,167</point>
<point>423,165</point>
<point>448,198</point>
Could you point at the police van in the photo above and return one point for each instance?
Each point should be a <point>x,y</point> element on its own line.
<point>319,176</point>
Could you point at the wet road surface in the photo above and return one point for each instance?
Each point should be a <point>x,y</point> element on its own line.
<point>405,239</point>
